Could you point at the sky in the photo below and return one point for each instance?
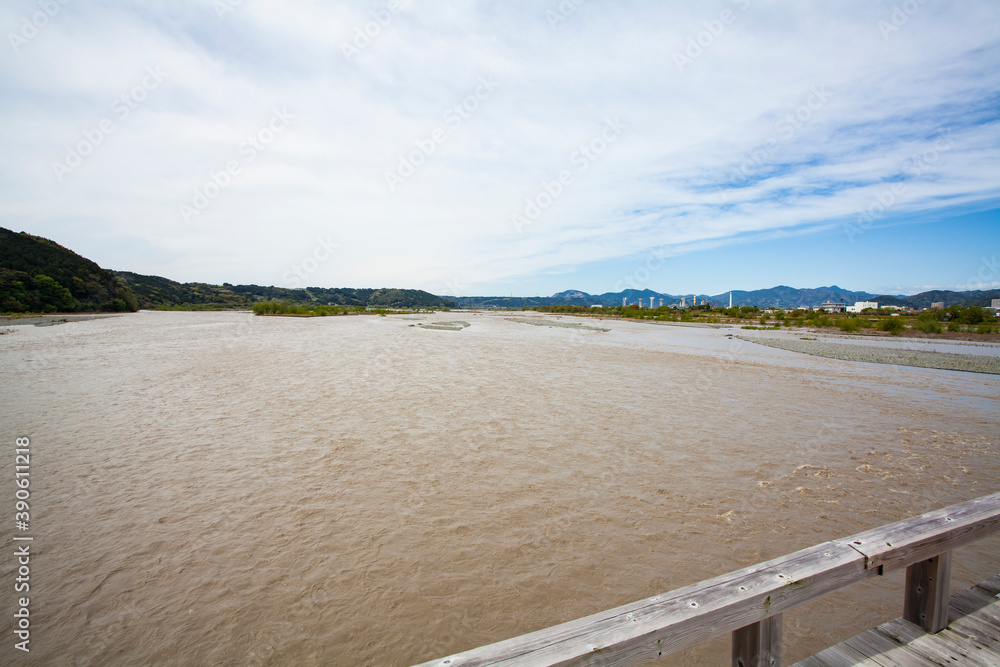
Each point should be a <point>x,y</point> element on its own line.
<point>511,147</point>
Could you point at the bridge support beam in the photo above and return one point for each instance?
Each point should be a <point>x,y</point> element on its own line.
<point>758,644</point>
<point>927,585</point>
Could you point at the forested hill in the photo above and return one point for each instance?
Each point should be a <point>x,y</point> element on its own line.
<point>39,275</point>
<point>156,292</point>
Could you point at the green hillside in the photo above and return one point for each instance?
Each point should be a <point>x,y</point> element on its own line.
<point>39,275</point>
<point>155,292</point>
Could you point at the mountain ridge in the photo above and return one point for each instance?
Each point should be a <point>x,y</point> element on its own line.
<point>779,296</point>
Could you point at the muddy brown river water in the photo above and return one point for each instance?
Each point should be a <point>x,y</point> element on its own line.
<point>219,489</point>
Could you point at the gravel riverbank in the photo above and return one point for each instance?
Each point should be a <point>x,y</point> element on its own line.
<point>49,320</point>
<point>884,355</point>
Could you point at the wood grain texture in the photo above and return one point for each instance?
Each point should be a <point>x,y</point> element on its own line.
<point>927,594</point>
<point>905,542</point>
<point>991,585</point>
<point>758,645</point>
<point>941,649</point>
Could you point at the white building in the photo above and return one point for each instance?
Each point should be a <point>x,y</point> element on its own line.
<point>862,305</point>
<point>833,307</point>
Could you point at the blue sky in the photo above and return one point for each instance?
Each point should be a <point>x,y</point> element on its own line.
<point>895,257</point>
<point>510,147</point>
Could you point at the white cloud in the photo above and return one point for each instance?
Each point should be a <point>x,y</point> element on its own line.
<point>672,178</point>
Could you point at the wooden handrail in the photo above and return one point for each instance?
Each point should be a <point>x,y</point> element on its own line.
<point>748,602</point>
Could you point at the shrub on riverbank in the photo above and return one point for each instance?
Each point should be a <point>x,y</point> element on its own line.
<point>849,325</point>
<point>929,326</point>
<point>283,308</point>
<point>893,325</point>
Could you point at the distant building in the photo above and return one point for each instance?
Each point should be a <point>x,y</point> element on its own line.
<point>862,305</point>
<point>995,306</point>
<point>834,307</point>
<point>682,302</point>
<point>940,304</point>
<point>597,305</point>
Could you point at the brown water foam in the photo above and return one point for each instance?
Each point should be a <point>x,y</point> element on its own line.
<point>212,488</point>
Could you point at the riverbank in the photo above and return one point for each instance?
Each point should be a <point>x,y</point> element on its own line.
<point>50,320</point>
<point>972,363</point>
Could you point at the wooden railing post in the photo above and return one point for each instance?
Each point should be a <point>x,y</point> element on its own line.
<point>927,584</point>
<point>758,644</point>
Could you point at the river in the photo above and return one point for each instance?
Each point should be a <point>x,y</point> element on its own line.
<point>223,489</point>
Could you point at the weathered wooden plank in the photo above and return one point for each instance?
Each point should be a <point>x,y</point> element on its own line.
<point>645,630</point>
<point>991,585</point>
<point>840,655</point>
<point>944,648</point>
<point>976,615</point>
<point>887,649</point>
<point>759,644</point>
<point>975,601</point>
<point>927,592</point>
<point>978,631</point>
<point>905,542</point>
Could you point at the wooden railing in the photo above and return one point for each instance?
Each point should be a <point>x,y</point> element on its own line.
<point>749,602</point>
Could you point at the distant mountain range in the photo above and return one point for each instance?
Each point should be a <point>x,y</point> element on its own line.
<point>781,296</point>
<point>37,275</point>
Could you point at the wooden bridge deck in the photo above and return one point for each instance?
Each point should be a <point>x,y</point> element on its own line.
<point>972,637</point>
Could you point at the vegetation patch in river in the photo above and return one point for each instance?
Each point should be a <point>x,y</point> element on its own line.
<point>553,323</point>
<point>457,325</point>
